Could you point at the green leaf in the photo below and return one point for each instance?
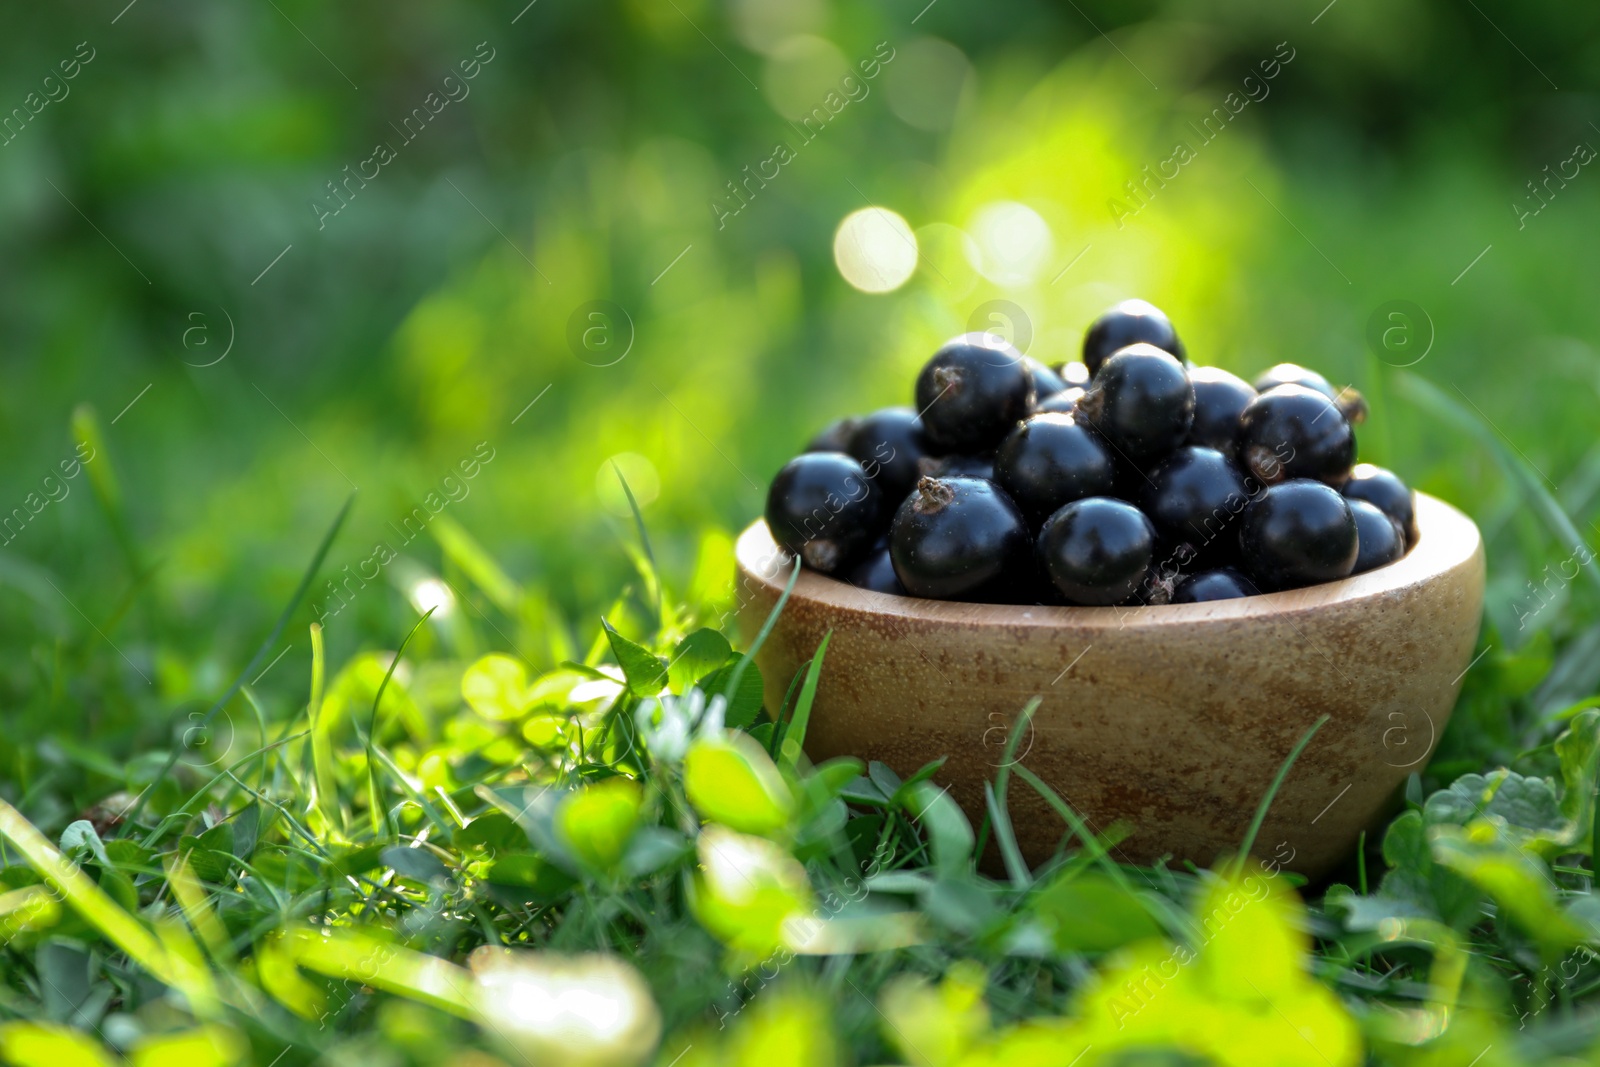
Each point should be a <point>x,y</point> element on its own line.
<point>645,671</point>
<point>884,778</point>
<point>206,1046</point>
<point>1491,858</point>
<point>49,1045</point>
<point>1529,809</point>
<point>1415,886</point>
<point>949,833</point>
<point>653,848</point>
<point>697,656</point>
<point>827,782</point>
<point>493,830</point>
<point>863,790</point>
<point>81,842</point>
<point>745,702</point>
<point>731,780</point>
<point>596,822</point>
<point>1091,913</point>
<point>530,877</point>
<point>219,838</point>
<point>416,864</point>
<point>358,860</point>
<point>119,887</point>
<point>130,855</point>
<point>209,865</point>
<point>496,687</point>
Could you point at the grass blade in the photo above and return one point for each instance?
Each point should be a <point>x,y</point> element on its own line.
<point>1005,838</point>
<point>376,813</point>
<point>794,738</point>
<point>1272,791</point>
<point>650,572</point>
<point>462,549</point>
<point>1518,468</point>
<point>737,673</point>
<point>325,786</point>
<point>100,911</point>
<point>261,652</point>
<point>998,796</point>
<point>1169,916</point>
<point>103,483</point>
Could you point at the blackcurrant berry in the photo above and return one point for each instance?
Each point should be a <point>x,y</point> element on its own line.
<point>1064,402</point>
<point>1294,374</point>
<point>1141,401</point>
<point>889,444</point>
<point>1294,432</point>
<point>1128,323</point>
<point>823,507</point>
<point>1379,538</point>
<point>1219,399</point>
<point>1224,583</point>
<point>1073,372</point>
<point>1097,551</point>
<point>1045,380</point>
<point>834,437</point>
<point>958,538</point>
<point>1348,400</point>
<point>959,467</point>
<point>972,392</point>
<point>1192,498</point>
<point>1050,460</point>
<point>1298,532</point>
<point>876,573</point>
<point>1384,489</point>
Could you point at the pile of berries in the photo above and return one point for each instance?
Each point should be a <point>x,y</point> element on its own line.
<point>1132,477</point>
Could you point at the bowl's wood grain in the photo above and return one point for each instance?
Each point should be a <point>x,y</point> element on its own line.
<point>1171,719</point>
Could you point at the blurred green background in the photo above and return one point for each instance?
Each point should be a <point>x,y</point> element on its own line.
<point>162,203</point>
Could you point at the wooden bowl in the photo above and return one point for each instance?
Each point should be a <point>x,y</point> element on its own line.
<point>1172,719</point>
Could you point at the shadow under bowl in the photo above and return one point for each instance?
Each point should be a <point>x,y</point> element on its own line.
<point>1171,721</point>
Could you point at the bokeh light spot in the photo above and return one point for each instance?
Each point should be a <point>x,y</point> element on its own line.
<point>925,83</point>
<point>875,250</point>
<point>1013,243</point>
<point>801,73</point>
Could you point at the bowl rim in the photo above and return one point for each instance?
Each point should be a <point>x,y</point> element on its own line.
<point>1447,540</point>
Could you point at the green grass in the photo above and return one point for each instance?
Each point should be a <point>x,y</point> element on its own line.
<point>338,876</point>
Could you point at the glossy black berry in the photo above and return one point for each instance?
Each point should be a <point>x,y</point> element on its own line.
<point>834,437</point>
<point>1051,460</point>
<point>972,392</point>
<point>1097,551</point>
<point>1073,372</point>
<point>823,507</point>
<point>1141,401</point>
<point>1294,432</point>
<point>1045,380</point>
<point>1294,374</point>
<point>1193,498</point>
<point>1298,532</point>
<point>1063,403</point>
<point>1224,583</point>
<point>876,572</point>
<point>1219,399</point>
<point>1128,323</point>
<point>1347,400</point>
<point>958,538</point>
<point>959,467</point>
<point>1379,538</point>
<point>889,444</point>
<point>1384,489</point>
